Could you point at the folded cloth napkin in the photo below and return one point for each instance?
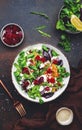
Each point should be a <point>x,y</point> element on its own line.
<point>71,98</point>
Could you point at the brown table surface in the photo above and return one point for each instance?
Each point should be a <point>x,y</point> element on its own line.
<point>18,11</point>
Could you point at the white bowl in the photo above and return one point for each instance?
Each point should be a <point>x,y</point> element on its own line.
<point>58,92</point>
<point>64,116</point>
<point>3,33</point>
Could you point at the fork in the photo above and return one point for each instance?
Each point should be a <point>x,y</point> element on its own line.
<point>18,106</point>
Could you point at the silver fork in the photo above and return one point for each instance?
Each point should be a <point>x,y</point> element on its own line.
<point>18,106</point>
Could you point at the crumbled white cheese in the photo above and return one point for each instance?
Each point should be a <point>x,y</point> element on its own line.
<point>41,88</point>
<point>28,63</point>
<point>42,65</point>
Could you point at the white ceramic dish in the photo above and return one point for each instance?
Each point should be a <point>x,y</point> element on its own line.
<point>64,116</point>
<point>57,93</point>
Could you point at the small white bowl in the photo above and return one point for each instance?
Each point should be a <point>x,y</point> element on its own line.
<point>12,33</point>
<point>64,116</point>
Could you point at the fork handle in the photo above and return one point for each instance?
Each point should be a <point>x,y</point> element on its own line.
<point>6,90</point>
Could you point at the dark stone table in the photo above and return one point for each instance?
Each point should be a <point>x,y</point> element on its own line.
<point>18,11</point>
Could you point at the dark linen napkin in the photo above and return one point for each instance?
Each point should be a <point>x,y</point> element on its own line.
<point>71,98</point>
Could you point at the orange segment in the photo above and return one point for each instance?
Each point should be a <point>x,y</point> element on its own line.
<point>55,70</point>
<point>76,22</point>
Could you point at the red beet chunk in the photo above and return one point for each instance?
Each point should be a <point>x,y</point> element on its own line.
<point>47,89</point>
<point>55,61</point>
<point>36,82</point>
<point>43,59</point>
<point>25,70</point>
<point>58,62</point>
<point>49,71</point>
<point>25,84</point>
<point>39,81</point>
<point>51,80</point>
<point>15,28</point>
<point>37,57</point>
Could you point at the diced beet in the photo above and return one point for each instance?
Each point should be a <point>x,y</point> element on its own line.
<point>43,59</point>
<point>25,70</point>
<point>8,35</point>
<point>19,35</point>
<point>55,61</point>
<point>25,84</point>
<point>41,80</point>
<point>36,82</point>
<point>37,57</point>
<point>15,29</point>
<point>49,70</point>
<point>51,80</point>
<point>7,29</point>
<point>7,41</point>
<point>47,88</point>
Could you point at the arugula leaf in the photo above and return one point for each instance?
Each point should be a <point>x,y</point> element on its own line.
<point>54,53</point>
<point>70,27</point>
<point>60,25</point>
<point>45,48</point>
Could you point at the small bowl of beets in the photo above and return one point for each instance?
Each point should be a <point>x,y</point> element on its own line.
<point>12,35</point>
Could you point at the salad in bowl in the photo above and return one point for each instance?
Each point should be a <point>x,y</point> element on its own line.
<point>70,7</point>
<point>40,73</point>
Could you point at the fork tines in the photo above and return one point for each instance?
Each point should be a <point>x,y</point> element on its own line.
<point>19,107</point>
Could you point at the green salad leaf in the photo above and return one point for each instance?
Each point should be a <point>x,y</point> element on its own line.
<point>60,25</point>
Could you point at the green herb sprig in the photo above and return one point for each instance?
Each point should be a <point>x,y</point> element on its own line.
<point>65,42</point>
<point>40,14</point>
<point>40,27</point>
<point>44,33</point>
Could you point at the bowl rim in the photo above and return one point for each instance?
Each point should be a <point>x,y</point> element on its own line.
<point>11,46</point>
<point>67,122</point>
<point>68,31</point>
<point>57,93</point>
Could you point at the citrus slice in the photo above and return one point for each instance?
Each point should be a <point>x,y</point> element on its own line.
<point>76,22</point>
